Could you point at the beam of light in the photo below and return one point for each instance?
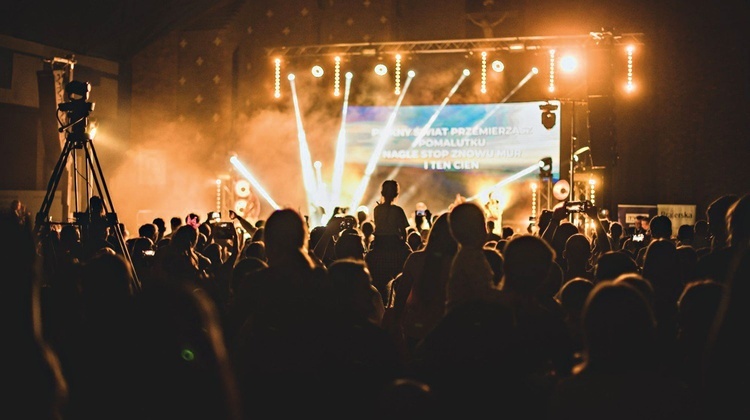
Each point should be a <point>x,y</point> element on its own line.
<point>338,163</point>
<point>240,167</point>
<point>506,181</point>
<point>308,174</point>
<point>385,135</point>
<point>533,72</point>
<point>425,129</point>
<point>320,186</point>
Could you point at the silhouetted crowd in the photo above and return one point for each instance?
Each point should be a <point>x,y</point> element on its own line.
<point>376,316</point>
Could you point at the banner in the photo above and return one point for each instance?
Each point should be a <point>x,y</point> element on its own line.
<point>679,214</point>
<point>626,213</point>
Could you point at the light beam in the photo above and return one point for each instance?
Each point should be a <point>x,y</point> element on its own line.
<point>338,163</point>
<point>384,137</point>
<point>308,173</point>
<point>240,167</point>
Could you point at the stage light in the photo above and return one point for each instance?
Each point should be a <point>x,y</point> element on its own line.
<point>291,76</point>
<point>484,72</point>
<point>568,64</point>
<point>277,78</point>
<point>466,72</point>
<point>381,70</point>
<point>498,66</point>
<point>549,118</point>
<point>551,87</point>
<point>397,75</point>
<point>317,71</point>
<point>630,86</point>
<point>240,206</point>
<point>545,167</point>
<point>411,73</point>
<point>349,75</point>
<point>535,70</point>
<point>337,76</point>
<point>242,188</point>
<point>218,195</point>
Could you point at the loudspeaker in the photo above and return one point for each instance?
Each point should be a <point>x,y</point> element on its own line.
<point>601,125</point>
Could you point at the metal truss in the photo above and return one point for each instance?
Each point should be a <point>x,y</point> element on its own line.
<point>513,44</point>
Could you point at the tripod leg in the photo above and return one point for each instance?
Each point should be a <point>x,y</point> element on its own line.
<point>101,186</point>
<point>57,173</point>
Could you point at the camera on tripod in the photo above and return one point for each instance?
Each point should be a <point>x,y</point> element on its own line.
<point>77,108</point>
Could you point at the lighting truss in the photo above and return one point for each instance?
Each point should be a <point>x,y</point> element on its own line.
<point>531,43</point>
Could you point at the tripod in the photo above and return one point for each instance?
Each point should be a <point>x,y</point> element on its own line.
<point>76,138</point>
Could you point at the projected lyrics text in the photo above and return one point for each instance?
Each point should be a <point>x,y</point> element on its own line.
<point>450,154</point>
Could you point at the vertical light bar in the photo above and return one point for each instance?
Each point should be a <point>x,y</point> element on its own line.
<point>337,76</point>
<point>484,72</point>
<point>397,75</point>
<point>551,87</point>
<point>277,78</point>
<point>533,200</point>
<point>218,195</point>
<point>630,86</point>
<point>592,190</point>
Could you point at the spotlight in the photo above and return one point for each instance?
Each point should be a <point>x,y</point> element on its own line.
<point>545,167</point>
<point>317,71</point>
<point>498,66</point>
<point>381,70</point>
<point>568,64</point>
<point>549,118</point>
<point>291,76</point>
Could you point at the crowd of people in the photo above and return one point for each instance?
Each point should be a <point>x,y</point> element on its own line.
<point>373,317</point>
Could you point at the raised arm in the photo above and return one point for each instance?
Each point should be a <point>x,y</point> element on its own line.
<point>602,244</point>
<point>557,216</point>
<point>249,227</point>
